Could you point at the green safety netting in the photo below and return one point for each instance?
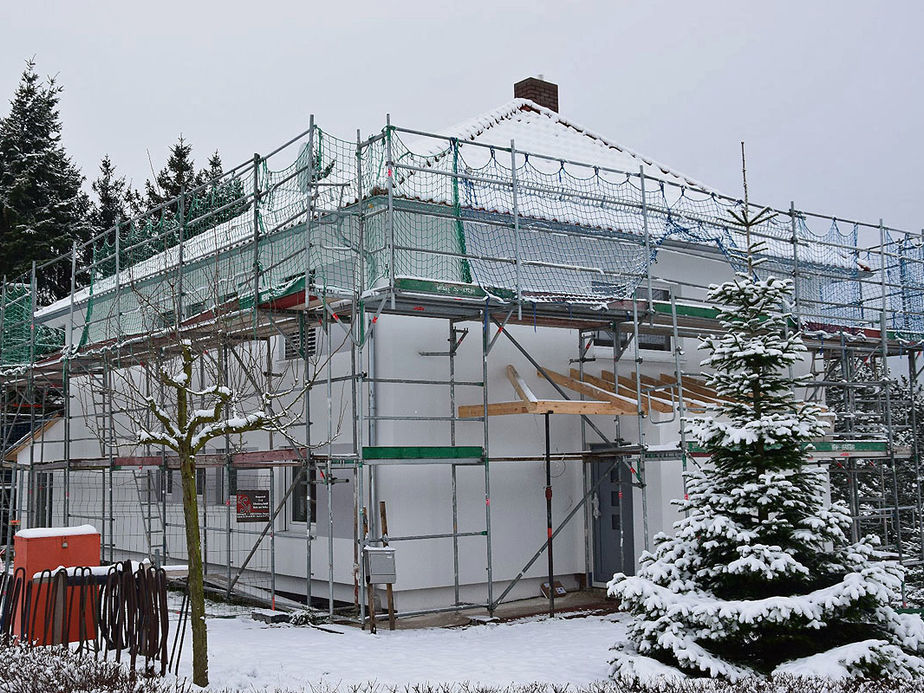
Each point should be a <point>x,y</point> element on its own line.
<point>567,233</point>
<point>16,344</point>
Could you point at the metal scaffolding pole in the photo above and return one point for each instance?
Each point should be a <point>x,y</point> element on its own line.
<point>306,362</point>
<point>485,349</point>
<point>71,348</point>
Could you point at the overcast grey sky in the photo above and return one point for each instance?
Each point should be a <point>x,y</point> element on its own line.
<point>827,95</point>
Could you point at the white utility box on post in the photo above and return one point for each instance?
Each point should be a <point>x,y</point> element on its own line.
<point>380,565</point>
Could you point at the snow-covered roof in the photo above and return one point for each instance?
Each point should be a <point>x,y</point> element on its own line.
<point>42,532</point>
<point>538,130</point>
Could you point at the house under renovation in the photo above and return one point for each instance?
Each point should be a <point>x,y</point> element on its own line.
<point>484,341</point>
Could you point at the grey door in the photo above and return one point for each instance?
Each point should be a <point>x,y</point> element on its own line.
<point>612,520</point>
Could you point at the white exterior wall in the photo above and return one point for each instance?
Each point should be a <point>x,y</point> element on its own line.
<point>418,497</point>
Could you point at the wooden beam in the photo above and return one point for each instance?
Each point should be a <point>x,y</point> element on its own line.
<point>472,411</point>
<point>695,404</point>
<point>704,394</point>
<point>624,392</point>
<point>519,385</point>
<point>589,390</point>
<point>542,406</point>
<point>572,406</point>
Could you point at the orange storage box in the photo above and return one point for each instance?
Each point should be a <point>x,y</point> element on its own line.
<point>49,548</point>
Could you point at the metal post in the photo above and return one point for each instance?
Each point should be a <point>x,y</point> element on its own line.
<point>485,334</point>
<point>453,467</point>
<point>163,463</point>
<point>390,217</point>
<point>357,338</point>
<point>272,500</point>
<point>548,514</point>
<point>229,471</point>
<point>885,389</point>
<point>681,407</point>
<point>795,263</point>
<point>117,260</point>
<point>516,230</point>
<point>65,385</point>
<point>111,426</point>
<point>913,387</point>
<point>641,175</point>
<point>641,428</point>
<point>306,379</point>
<point>8,553</point>
<point>327,472</point>
<point>884,324</point>
<point>33,287</point>
<point>256,237</point>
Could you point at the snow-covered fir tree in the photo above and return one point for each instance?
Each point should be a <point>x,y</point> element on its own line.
<point>42,207</point>
<point>111,192</point>
<point>760,574</point>
<point>110,206</point>
<point>208,199</point>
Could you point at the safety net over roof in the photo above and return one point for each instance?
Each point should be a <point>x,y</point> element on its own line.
<point>562,216</point>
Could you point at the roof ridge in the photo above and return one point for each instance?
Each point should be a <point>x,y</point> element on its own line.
<point>474,127</point>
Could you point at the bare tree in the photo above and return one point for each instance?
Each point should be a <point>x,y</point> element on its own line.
<point>185,375</point>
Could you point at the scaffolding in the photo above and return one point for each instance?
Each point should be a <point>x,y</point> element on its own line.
<point>314,244</point>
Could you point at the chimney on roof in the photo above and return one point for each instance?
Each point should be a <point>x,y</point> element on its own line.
<point>539,91</point>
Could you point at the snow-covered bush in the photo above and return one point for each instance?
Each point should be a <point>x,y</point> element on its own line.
<point>59,670</point>
<point>760,577</point>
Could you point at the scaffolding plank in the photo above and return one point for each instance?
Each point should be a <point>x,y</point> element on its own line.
<point>828,448</point>
<point>422,453</point>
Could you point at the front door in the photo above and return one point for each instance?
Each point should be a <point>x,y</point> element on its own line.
<point>612,520</point>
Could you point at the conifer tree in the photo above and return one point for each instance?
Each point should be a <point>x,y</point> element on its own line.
<point>177,176</point>
<point>42,207</point>
<point>109,207</point>
<point>760,576</point>
<point>111,198</point>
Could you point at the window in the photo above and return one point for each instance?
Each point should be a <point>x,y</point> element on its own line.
<point>292,348</point>
<point>43,500</point>
<point>300,501</point>
<point>165,488</point>
<point>167,319</point>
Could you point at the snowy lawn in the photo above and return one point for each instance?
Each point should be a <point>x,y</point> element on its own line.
<point>250,655</point>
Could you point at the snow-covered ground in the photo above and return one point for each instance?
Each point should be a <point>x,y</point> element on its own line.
<point>250,655</point>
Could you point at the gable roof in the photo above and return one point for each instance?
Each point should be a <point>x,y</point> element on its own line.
<point>538,130</point>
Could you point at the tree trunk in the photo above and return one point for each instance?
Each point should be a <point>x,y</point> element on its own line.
<point>194,556</point>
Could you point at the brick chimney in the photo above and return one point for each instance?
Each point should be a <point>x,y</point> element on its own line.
<point>539,91</point>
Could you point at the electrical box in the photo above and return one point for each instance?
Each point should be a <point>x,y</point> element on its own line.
<point>55,621</point>
<point>380,565</point>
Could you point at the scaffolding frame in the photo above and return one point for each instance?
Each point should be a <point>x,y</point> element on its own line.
<point>37,378</point>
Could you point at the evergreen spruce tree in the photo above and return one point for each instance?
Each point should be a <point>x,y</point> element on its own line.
<point>177,176</point>
<point>111,206</point>
<point>111,198</point>
<point>42,207</point>
<point>760,576</point>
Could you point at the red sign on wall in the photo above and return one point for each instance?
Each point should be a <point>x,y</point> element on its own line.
<point>253,506</point>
